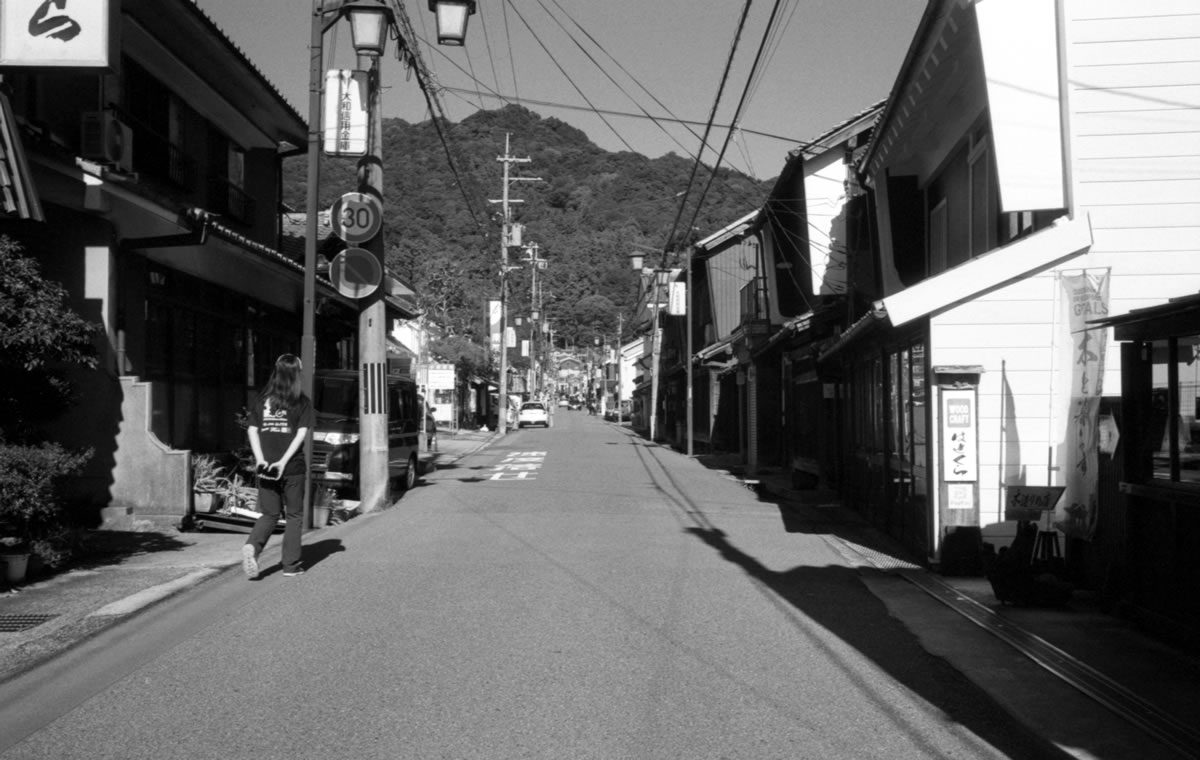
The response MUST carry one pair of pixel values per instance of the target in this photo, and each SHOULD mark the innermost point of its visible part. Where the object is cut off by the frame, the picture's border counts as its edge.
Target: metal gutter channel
(1092, 683)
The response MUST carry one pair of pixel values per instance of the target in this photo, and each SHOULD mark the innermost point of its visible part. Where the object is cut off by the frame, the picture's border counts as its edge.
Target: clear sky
(826, 61)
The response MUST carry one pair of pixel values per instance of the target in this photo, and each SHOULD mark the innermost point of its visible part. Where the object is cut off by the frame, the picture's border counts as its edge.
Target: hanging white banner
(1085, 296)
(677, 299)
(344, 127)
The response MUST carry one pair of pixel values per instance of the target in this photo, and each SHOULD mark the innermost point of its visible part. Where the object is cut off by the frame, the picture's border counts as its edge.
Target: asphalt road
(570, 592)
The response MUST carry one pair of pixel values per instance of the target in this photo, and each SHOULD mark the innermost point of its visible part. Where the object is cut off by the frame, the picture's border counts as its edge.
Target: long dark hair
(283, 390)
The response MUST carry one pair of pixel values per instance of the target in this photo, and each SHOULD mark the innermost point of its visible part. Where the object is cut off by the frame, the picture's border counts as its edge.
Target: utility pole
(535, 263)
(505, 242)
(373, 471)
(619, 356)
(655, 352)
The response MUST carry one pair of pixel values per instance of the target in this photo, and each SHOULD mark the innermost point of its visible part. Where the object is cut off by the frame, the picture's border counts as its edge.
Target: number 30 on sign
(356, 217)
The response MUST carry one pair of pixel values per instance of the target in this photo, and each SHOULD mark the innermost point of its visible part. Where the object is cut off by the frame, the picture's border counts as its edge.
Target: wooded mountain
(589, 210)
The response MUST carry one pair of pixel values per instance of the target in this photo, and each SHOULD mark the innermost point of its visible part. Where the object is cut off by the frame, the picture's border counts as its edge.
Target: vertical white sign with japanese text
(960, 455)
(55, 33)
(344, 126)
(1085, 297)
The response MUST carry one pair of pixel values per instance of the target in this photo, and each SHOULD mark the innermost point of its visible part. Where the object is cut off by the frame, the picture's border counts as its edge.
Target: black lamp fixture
(452, 16)
(369, 24)
(636, 260)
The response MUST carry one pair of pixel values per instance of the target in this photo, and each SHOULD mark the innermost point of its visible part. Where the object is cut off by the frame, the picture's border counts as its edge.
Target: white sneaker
(249, 561)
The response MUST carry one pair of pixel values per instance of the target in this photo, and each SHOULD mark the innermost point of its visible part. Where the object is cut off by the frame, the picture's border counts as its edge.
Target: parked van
(335, 438)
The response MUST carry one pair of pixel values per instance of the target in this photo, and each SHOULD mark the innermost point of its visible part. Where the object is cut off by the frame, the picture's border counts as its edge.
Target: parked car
(533, 413)
(336, 435)
(612, 414)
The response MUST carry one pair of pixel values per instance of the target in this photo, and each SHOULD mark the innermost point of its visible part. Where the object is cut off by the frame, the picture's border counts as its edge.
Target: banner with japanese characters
(1085, 297)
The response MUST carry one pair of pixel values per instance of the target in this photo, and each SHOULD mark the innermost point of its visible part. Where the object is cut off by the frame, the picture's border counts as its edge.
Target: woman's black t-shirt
(277, 429)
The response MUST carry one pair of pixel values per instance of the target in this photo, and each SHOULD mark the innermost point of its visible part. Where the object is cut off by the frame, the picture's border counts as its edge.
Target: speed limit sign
(356, 217)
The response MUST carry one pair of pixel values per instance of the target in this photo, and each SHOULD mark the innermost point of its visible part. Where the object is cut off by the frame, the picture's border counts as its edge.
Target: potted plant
(30, 502)
(208, 482)
(14, 553)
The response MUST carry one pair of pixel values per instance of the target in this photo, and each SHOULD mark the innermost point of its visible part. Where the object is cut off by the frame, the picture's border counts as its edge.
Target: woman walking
(279, 425)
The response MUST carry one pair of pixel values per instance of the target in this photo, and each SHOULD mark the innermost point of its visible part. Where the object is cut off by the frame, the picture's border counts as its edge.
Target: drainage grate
(14, 623)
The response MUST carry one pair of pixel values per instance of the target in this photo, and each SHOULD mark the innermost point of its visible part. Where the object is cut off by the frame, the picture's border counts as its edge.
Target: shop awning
(1178, 316)
(861, 327)
(994, 269)
(792, 327)
(715, 350)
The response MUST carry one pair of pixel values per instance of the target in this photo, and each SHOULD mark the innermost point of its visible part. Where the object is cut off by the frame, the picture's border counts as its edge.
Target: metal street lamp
(369, 24)
(452, 16)
(370, 21)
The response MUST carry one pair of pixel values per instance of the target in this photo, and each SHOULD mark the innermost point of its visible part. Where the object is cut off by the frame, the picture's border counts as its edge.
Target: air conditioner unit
(107, 140)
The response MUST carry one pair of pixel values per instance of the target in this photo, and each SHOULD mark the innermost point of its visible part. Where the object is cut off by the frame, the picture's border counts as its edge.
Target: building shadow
(835, 598)
(113, 547)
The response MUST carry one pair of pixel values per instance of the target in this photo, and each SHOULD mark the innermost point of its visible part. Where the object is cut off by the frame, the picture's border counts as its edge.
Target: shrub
(31, 505)
(39, 336)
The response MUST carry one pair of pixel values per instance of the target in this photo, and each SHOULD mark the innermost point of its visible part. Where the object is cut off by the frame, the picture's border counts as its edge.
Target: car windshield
(337, 396)
(533, 405)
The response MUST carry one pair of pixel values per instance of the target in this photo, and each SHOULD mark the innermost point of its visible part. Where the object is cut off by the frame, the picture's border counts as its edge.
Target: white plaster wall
(1133, 107)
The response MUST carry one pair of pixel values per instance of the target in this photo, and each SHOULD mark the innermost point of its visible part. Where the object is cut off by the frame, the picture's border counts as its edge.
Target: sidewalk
(1063, 672)
(126, 571)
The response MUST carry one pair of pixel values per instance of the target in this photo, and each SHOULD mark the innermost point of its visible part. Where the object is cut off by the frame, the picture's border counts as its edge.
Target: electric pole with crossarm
(506, 241)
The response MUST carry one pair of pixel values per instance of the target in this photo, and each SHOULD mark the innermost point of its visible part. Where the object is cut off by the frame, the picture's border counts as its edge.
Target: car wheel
(410, 475)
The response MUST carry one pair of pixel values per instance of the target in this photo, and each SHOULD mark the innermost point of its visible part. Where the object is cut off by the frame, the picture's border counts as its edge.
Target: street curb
(146, 597)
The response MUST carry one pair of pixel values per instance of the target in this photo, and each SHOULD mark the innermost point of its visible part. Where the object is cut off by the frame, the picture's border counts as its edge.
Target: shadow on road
(835, 598)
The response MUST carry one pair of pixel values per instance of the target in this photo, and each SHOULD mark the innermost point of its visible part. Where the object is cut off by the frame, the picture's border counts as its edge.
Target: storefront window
(917, 418)
(1176, 405)
(897, 366)
(907, 420)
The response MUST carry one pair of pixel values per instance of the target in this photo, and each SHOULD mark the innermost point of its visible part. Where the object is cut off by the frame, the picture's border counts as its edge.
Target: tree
(40, 338)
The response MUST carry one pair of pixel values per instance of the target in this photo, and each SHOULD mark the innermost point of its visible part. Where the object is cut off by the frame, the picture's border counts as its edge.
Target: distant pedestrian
(430, 429)
(279, 423)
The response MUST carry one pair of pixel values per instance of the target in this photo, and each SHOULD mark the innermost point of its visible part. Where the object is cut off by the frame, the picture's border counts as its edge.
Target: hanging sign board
(356, 217)
(1030, 502)
(355, 272)
(46, 33)
(344, 124)
(677, 299)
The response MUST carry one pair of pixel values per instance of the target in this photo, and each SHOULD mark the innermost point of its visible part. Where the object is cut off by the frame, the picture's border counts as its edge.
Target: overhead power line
(712, 116)
(563, 71)
(411, 53)
(611, 112)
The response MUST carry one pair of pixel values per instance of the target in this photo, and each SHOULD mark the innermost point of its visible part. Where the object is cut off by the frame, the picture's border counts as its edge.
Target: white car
(533, 413)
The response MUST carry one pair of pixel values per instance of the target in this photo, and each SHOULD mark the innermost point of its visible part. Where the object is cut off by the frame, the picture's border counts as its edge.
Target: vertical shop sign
(960, 456)
(345, 124)
(1085, 297)
(493, 322)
